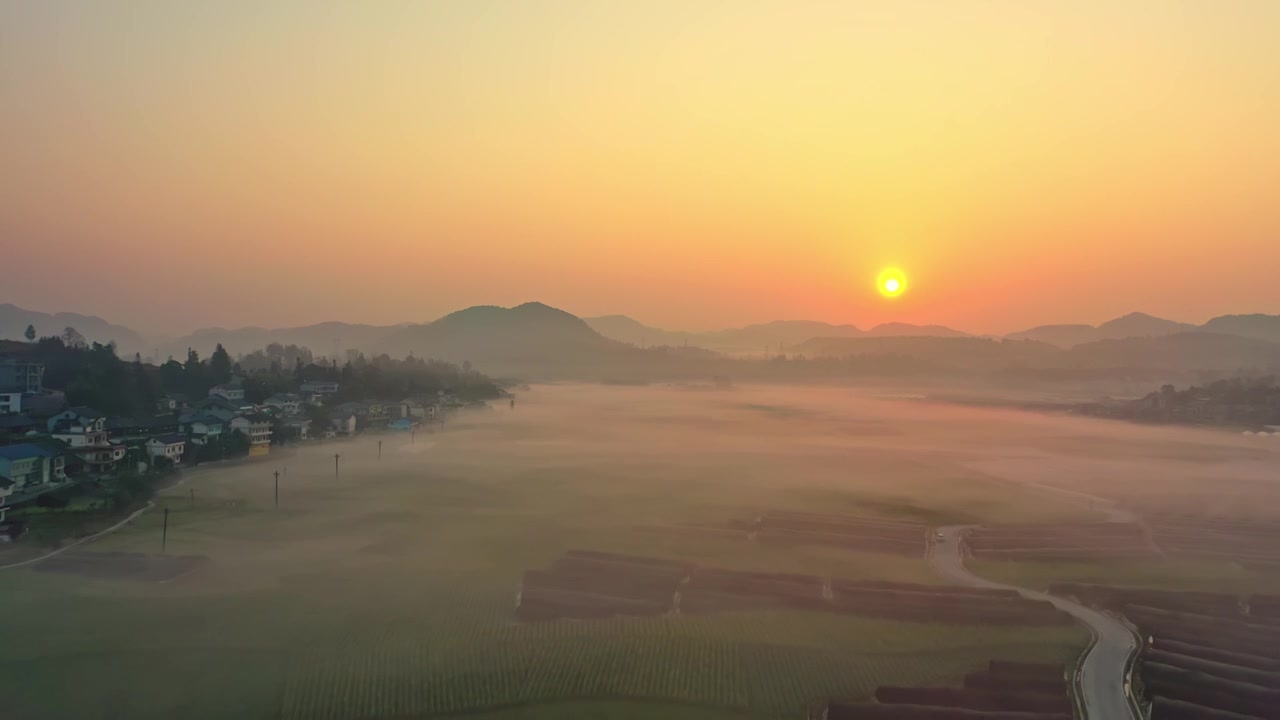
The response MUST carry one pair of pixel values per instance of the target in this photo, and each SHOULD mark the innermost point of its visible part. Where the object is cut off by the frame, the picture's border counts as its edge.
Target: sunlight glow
(891, 282)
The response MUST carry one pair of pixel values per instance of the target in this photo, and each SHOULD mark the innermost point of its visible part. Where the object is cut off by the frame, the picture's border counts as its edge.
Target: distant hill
(1140, 325)
(14, 321)
(634, 332)
(1131, 325)
(770, 336)
(1257, 325)
(1064, 336)
(897, 329)
(532, 337)
(1180, 352)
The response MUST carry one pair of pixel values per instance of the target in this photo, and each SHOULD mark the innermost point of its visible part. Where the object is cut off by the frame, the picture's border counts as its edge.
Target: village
(51, 451)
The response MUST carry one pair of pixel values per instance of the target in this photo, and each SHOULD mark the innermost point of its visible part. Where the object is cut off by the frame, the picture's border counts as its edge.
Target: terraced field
(391, 591)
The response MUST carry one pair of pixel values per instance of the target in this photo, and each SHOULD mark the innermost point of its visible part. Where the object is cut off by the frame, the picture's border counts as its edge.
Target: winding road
(1103, 676)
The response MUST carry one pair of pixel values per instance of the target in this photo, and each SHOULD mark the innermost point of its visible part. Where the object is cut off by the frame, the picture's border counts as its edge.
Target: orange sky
(691, 164)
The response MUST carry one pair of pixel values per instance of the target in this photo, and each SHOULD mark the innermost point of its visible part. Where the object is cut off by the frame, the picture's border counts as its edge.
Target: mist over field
(390, 588)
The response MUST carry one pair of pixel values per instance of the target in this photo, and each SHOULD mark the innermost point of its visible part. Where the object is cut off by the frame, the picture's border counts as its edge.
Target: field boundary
(151, 503)
(1134, 704)
(1077, 675)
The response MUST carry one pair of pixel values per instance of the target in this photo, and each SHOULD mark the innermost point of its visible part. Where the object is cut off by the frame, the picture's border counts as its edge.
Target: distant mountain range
(1131, 325)
(774, 337)
(14, 321)
(535, 340)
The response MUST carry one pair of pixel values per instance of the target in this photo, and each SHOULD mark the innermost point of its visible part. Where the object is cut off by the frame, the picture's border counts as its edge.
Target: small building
(10, 401)
(221, 407)
(257, 427)
(319, 387)
(30, 469)
(122, 428)
(22, 377)
(17, 424)
(169, 445)
(203, 428)
(298, 427)
(173, 402)
(343, 423)
(78, 419)
(288, 403)
(232, 392)
(417, 409)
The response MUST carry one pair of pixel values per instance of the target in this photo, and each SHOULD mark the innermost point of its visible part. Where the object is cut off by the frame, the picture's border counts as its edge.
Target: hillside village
(53, 447)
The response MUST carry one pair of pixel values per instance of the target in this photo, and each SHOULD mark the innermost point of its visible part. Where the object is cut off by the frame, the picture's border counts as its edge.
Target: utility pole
(379, 449)
(164, 533)
(277, 473)
(413, 435)
(193, 498)
(335, 464)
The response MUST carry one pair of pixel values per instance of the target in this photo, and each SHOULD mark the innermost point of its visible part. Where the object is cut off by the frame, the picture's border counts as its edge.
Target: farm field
(1166, 573)
(389, 590)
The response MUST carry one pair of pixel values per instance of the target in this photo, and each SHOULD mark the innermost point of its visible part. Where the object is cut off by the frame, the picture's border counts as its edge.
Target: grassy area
(388, 591)
(1171, 574)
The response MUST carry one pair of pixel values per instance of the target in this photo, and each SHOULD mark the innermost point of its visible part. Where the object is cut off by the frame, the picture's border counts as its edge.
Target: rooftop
(171, 438)
(13, 421)
(22, 451)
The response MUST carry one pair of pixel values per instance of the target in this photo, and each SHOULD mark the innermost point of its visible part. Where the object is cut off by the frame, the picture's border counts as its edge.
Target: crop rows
(587, 585)
(1008, 690)
(1209, 655)
(855, 533)
(1251, 542)
(1060, 542)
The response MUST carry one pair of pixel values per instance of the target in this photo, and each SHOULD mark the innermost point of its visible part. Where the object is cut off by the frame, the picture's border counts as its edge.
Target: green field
(388, 591)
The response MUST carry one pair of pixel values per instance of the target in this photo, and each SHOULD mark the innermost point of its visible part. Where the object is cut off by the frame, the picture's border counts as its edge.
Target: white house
(29, 468)
(78, 419)
(320, 387)
(169, 445)
(84, 429)
(343, 422)
(257, 427)
(10, 402)
(416, 409)
(235, 393)
(289, 403)
(203, 428)
(299, 426)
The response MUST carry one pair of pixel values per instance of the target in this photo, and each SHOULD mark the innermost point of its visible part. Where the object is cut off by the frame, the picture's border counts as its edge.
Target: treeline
(93, 375)
(380, 377)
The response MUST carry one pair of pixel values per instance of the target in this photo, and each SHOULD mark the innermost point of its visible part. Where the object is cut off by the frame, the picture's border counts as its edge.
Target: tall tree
(72, 338)
(220, 365)
(30, 334)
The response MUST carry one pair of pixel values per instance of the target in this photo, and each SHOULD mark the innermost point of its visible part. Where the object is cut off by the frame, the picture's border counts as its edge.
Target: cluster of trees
(195, 376)
(93, 375)
(361, 378)
(1233, 401)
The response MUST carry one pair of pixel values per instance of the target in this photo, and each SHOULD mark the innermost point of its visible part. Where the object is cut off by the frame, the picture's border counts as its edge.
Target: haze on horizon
(692, 165)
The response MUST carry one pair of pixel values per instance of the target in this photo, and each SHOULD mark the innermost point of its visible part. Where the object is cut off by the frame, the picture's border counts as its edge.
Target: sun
(891, 282)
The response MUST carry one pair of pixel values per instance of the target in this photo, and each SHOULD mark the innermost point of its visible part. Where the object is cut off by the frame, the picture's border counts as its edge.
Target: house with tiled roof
(169, 446)
(28, 469)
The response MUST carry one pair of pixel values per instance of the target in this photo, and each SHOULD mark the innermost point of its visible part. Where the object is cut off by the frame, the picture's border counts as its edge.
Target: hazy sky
(690, 163)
